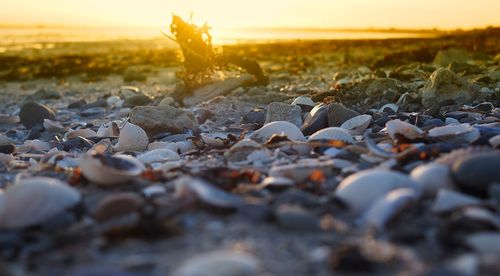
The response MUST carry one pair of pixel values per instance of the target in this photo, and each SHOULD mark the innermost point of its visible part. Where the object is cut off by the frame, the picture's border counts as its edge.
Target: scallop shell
(52, 125)
(405, 129)
(82, 132)
(132, 138)
(278, 128)
(357, 125)
(332, 133)
(360, 190)
(179, 147)
(158, 156)
(303, 169)
(389, 206)
(31, 201)
(455, 133)
(97, 168)
(432, 177)
(303, 100)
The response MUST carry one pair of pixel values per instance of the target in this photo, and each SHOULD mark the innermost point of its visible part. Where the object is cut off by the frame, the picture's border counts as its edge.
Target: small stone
(44, 94)
(167, 101)
(294, 217)
(475, 173)
(284, 112)
(137, 100)
(77, 104)
(446, 57)
(389, 88)
(33, 114)
(159, 119)
(338, 114)
(316, 120)
(117, 205)
(444, 85)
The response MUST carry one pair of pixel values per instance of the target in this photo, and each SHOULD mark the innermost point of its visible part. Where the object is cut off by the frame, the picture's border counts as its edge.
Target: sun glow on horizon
(442, 14)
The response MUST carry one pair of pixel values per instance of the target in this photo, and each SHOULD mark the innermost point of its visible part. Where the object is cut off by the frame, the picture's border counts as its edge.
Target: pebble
(160, 119)
(294, 217)
(338, 114)
(475, 173)
(444, 85)
(137, 100)
(33, 114)
(284, 112)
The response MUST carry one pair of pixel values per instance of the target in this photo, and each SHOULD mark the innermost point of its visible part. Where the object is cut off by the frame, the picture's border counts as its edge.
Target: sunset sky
(444, 14)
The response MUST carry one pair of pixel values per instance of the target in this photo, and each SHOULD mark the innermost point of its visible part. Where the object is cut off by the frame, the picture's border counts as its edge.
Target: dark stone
(255, 116)
(474, 174)
(33, 114)
(44, 94)
(98, 103)
(294, 217)
(137, 100)
(338, 114)
(350, 258)
(316, 120)
(117, 205)
(7, 148)
(77, 105)
(433, 123)
(382, 121)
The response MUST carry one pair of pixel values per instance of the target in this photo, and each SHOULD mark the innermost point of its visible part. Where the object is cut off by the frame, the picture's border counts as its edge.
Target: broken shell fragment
(132, 138)
(248, 150)
(407, 130)
(303, 100)
(303, 169)
(206, 193)
(105, 169)
(282, 128)
(357, 125)
(360, 190)
(455, 133)
(449, 201)
(158, 156)
(216, 140)
(332, 133)
(54, 126)
(83, 132)
(179, 147)
(31, 201)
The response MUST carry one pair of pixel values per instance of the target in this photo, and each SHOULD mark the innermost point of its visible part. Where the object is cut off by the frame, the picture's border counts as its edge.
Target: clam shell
(332, 133)
(302, 170)
(132, 138)
(432, 177)
(221, 263)
(405, 129)
(278, 128)
(455, 133)
(83, 132)
(357, 125)
(360, 190)
(52, 125)
(158, 156)
(96, 168)
(303, 100)
(389, 206)
(34, 200)
(205, 192)
(179, 147)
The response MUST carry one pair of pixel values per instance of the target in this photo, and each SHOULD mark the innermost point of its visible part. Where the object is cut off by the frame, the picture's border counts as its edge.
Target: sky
(443, 14)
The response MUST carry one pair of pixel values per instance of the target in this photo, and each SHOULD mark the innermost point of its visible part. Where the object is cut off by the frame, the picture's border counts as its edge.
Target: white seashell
(169, 165)
(31, 201)
(158, 156)
(154, 190)
(220, 263)
(360, 190)
(131, 138)
(82, 132)
(495, 141)
(393, 107)
(303, 169)
(277, 182)
(432, 177)
(398, 127)
(455, 133)
(487, 243)
(449, 201)
(332, 133)
(389, 206)
(52, 125)
(179, 147)
(357, 125)
(216, 140)
(109, 170)
(108, 130)
(248, 150)
(303, 100)
(205, 192)
(278, 128)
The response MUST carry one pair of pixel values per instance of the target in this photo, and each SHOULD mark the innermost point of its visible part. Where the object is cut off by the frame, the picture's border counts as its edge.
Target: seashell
(317, 119)
(216, 140)
(303, 100)
(114, 101)
(292, 147)
(360, 190)
(291, 131)
(455, 133)
(495, 141)
(481, 216)
(393, 107)
(179, 147)
(109, 170)
(357, 125)
(205, 193)
(34, 145)
(389, 206)
(332, 133)
(432, 177)
(221, 263)
(154, 190)
(487, 243)
(449, 201)
(302, 169)
(158, 156)
(82, 132)
(248, 150)
(398, 127)
(131, 138)
(108, 130)
(277, 182)
(32, 201)
(54, 126)
(6, 157)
